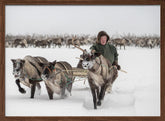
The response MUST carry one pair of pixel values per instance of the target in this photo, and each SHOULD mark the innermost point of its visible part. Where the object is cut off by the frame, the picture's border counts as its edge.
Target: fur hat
(100, 34)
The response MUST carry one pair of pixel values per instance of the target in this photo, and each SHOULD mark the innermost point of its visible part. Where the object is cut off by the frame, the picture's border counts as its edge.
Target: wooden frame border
(78, 2)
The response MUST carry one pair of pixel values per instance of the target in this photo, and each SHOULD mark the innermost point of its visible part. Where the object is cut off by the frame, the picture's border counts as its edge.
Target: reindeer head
(17, 67)
(48, 69)
(88, 59)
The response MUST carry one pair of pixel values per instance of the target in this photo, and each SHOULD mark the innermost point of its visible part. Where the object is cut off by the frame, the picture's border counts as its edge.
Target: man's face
(103, 40)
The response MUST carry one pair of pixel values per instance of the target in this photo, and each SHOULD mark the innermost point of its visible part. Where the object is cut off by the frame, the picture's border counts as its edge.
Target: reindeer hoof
(50, 98)
(22, 90)
(99, 103)
(32, 97)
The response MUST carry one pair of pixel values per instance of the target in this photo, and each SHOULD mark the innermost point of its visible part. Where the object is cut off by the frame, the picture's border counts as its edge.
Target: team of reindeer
(58, 76)
(59, 41)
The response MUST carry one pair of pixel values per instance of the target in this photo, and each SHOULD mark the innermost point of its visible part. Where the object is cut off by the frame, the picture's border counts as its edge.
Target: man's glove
(116, 64)
(118, 67)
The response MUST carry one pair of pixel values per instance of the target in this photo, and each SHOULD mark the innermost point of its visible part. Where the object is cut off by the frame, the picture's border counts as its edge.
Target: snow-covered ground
(136, 93)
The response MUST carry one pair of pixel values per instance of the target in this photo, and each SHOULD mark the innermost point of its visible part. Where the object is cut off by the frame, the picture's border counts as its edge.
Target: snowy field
(136, 93)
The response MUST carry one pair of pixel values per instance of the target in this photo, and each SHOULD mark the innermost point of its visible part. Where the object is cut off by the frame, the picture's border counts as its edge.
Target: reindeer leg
(97, 91)
(102, 94)
(63, 93)
(50, 92)
(39, 87)
(104, 90)
(99, 98)
(93, 93)
(63, 86)
(94, 98)
(22, 90)
(33, 88)
(69, 87)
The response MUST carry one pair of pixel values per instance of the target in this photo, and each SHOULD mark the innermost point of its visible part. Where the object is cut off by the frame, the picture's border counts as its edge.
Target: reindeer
(68, 42)
(140, 42)
(151, 43)
(77, 42)
(83, 41)
(8, 44)
(57, 42)
(28, 72)
(120, 42)
(57, 76)
(21, 42)
(101, 74)
(157, 42)
(41, 43)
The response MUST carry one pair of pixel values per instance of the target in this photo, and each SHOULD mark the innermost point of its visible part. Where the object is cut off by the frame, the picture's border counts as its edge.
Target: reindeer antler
(73, 38)
(79, 58)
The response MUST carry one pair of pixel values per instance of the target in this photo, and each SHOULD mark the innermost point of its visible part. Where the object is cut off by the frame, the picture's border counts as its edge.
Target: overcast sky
(139, 20)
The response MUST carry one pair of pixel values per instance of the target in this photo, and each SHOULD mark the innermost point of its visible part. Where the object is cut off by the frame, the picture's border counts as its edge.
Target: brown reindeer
(20, 42)
(68, 42)
(41, 43)
(77, 41)
(151, 43)
(57, 42)
(101, 74)
(120, 42)
(28, 72)
(57, 77)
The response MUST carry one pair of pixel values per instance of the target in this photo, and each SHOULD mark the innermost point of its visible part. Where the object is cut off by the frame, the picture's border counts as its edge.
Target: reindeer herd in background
(48, 41)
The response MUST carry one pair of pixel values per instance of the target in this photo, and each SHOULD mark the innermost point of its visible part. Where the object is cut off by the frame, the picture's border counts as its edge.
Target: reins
(68, 80)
